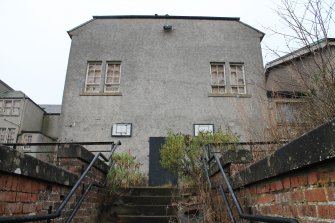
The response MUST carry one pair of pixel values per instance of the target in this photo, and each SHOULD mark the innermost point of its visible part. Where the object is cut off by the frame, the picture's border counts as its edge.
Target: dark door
(158, 176)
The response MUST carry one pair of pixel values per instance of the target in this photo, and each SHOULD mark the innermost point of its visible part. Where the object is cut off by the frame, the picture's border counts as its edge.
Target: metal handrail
(57, 213)
(261, 218)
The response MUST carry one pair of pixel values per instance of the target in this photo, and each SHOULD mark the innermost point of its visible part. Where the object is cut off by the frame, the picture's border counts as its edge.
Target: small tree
(309, 24)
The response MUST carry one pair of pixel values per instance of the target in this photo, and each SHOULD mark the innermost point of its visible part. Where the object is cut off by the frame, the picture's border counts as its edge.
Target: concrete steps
(142, 205)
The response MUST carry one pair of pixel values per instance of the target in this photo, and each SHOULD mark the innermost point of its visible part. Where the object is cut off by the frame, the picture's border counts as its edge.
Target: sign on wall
(122, 129)
(205, 128)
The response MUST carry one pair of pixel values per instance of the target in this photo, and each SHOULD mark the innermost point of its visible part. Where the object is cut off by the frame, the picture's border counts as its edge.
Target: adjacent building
(23, 121)
(308, 70)
(135, 78)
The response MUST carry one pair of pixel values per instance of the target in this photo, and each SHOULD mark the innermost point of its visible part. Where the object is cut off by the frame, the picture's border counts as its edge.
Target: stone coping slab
(15, 162)
(314, 147)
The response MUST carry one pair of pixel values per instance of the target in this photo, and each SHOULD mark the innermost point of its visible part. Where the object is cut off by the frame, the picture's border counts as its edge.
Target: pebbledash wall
(298, 180)
(165, 79)
(31, 186)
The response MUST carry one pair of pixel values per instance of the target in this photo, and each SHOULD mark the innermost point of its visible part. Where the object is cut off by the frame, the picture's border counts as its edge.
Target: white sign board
(205, 128)
(121, 129)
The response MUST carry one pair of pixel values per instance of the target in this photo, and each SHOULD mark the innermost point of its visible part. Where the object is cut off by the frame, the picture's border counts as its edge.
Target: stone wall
(30, 186)
(297, 181)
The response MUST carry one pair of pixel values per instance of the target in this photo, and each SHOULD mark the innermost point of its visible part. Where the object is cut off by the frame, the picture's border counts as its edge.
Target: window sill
(10, 115)
(229, 95)
(101, 94)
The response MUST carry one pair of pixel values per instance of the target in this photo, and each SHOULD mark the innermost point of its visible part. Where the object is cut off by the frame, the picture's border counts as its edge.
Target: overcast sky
(35, 45)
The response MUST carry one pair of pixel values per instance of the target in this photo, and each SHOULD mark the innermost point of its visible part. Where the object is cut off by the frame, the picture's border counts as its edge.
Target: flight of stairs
(142, 205)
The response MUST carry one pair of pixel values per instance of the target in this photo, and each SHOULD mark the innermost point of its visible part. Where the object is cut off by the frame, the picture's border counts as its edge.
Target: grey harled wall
(165, 80)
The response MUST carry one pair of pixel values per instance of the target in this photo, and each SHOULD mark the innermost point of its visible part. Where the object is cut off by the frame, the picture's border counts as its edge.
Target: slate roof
(51, 109)
(13, 94)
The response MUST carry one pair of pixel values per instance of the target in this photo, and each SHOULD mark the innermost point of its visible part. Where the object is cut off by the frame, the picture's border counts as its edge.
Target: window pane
(234, 90)
(116, 80)
(112, 88)
(27, 139)
(8, 107)
(10, 135)
(91, 88)
(237, 80)
(233, 78)
(112, 79)
(2, 135)
(109, 80)
(214, 68)
(241, 90)
(215, 89)
(96, 80)
(93, 77)
(222, 90)
(217, 75)
(214, 78)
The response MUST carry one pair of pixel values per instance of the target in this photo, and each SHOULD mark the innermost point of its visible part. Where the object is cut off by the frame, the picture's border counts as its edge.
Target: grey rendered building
(133, 78)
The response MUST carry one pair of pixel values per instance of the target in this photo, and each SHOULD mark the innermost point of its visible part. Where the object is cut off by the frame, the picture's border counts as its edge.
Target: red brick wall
(21, 195)
(307, 195)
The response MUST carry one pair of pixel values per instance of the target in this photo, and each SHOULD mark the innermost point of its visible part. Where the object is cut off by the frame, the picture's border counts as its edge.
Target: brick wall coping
(240, 156)
(15, 162)
(314, 147)
(78, 151)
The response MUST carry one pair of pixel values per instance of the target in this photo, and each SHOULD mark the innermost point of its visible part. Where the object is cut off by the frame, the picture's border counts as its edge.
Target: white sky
(34, 44)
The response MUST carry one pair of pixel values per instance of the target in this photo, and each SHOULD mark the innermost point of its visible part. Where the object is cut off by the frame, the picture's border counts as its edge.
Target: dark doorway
(158, 176)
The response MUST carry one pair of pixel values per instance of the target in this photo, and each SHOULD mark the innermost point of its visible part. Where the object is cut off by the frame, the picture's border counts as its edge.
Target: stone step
(147, 200)
(149, 191)
(148, 210)
(146, 219)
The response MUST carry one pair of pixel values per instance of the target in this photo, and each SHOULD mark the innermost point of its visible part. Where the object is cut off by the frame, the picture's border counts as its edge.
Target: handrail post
(49, 212)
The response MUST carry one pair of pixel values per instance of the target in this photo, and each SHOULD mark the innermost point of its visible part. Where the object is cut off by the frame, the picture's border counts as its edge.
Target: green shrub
(181, 154)
(124, 172)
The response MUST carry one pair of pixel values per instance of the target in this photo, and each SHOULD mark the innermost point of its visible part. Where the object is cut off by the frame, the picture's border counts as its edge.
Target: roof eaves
(77, 27)
(6, 85)
(166, 17)
(298, 53)
(257, 30)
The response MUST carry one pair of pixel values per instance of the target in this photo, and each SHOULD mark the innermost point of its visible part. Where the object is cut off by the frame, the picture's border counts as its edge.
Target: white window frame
(112, 83)
(7, 135)
(12, 109)
(16, 108)
(3, 135)
(216, 84)
(27, 139)
(96, 86)
(7, 108)
(237, 85)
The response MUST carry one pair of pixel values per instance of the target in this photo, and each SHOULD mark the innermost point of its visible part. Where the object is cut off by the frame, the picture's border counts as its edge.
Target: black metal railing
(210, 158)
(85, 191)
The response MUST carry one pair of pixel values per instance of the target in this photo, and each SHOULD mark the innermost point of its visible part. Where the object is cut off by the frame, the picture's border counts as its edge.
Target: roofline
(6, 85)
(298, 53)
(166, 17)
(237, 19)
(153, 17)
(77, 27)
(257, 30)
